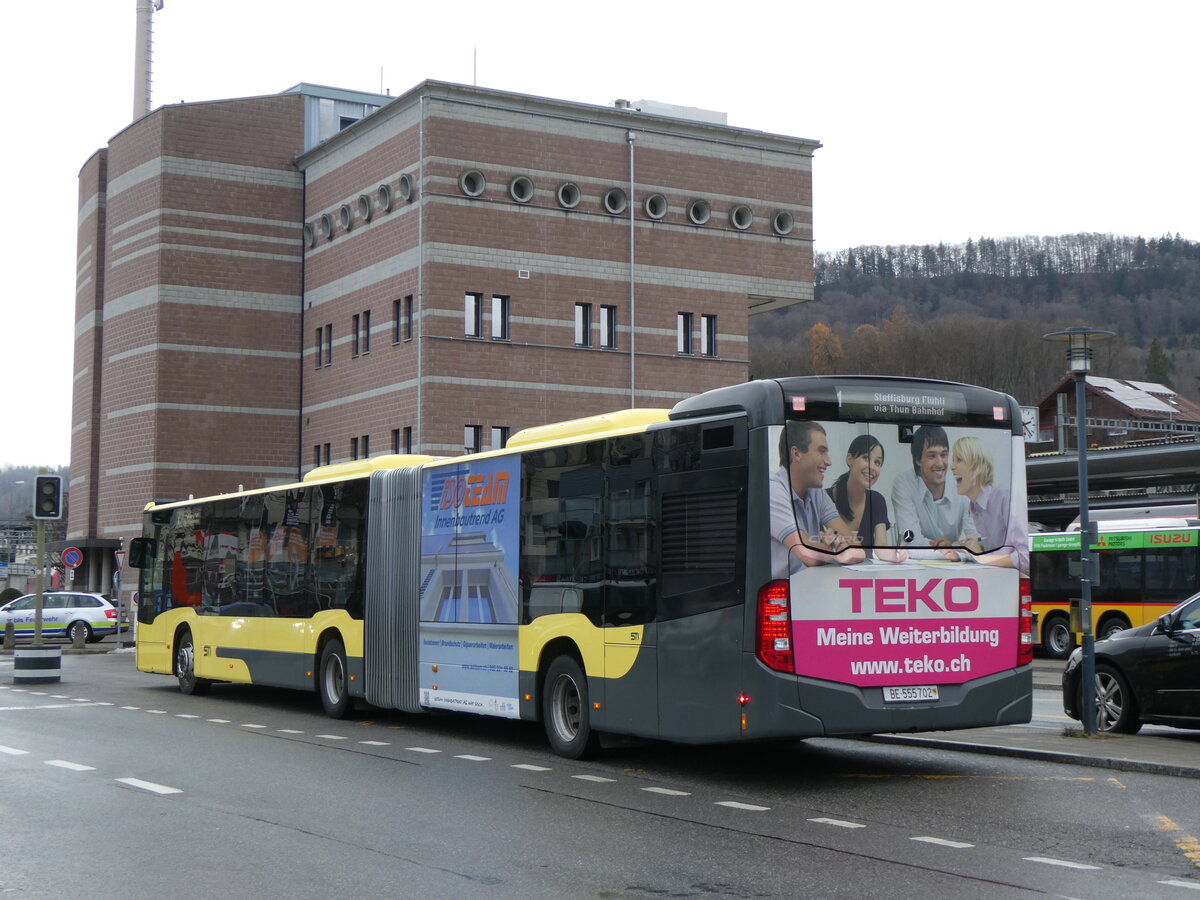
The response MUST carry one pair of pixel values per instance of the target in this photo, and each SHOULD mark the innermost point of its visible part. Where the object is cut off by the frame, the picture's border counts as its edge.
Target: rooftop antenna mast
(142, 49)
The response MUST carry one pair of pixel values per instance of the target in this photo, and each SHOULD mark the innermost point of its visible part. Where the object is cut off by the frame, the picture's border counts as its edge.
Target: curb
(1095, 762)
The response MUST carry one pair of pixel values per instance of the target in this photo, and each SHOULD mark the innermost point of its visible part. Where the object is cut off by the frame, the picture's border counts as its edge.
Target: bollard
(37, 665)
(10, 636)
(78, 638)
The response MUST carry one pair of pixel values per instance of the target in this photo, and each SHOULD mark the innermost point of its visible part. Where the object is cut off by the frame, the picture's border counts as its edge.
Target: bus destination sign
(900, 404)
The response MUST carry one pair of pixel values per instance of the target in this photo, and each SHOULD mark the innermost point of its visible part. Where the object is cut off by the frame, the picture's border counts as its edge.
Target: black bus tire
(566, 710)
(1057, 638)
(1110, 626)
(185, 667)
(332, 682)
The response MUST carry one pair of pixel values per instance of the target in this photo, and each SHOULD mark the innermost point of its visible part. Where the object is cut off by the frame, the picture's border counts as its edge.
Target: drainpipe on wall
(629, 136)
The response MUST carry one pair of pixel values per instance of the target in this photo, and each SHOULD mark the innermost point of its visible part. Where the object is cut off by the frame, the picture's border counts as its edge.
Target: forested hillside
(976, 312)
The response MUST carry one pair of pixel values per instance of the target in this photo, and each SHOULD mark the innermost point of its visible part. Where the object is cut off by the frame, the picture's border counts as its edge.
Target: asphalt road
(112, 784)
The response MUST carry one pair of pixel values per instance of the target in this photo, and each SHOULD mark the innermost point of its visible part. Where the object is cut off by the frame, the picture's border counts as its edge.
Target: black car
(1149, 674)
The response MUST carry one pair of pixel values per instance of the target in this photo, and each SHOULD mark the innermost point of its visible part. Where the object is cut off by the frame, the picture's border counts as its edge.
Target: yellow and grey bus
(649, 572)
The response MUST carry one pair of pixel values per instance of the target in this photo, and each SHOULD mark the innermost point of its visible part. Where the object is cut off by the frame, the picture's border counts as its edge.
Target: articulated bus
(648, 573)
(1146, 566)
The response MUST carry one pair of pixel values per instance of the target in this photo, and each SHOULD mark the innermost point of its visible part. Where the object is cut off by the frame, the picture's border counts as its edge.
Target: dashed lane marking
(471, 758)
(942, 842)
(838, 823)
(149, 786)
(666, 792)
(13, 751)
(72, 766)
(598, 779)
(422, 750)
(1062, 863)
(748, 807)
(529, 767)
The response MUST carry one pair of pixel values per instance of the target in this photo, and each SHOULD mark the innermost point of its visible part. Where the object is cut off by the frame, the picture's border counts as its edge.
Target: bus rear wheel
(185, 668)
(332, 683)
(1057, 637)
(1111, 626)
(565, 710)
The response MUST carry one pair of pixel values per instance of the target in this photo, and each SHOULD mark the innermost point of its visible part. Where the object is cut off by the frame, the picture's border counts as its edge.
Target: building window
(708, 335)
(316, 455)
(320, 346)
(407, 440)
(327, 457)
(608, 326)
(583, 324)
(402, 320)
(472, 438)
(364, 444)
(499, 437)
(329, 344)
(366, 331)
(499, 317)
(395, 440)
(354, 448)
(473, 315)
(683, 332)
(354, 335)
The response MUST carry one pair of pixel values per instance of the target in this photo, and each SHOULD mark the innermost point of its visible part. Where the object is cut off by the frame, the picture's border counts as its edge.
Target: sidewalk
(1175, 752)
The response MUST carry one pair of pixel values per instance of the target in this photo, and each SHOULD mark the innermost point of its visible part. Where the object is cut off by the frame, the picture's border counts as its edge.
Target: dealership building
(272, 283)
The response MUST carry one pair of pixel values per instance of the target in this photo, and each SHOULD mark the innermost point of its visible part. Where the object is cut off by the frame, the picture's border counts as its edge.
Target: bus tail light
(1025, 628)
(775, 627)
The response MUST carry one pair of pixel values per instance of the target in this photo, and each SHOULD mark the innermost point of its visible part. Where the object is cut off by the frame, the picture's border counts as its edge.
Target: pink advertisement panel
(904, 625)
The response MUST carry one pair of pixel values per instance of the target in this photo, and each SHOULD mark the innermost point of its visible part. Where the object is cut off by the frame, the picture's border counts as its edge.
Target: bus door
(701, 491)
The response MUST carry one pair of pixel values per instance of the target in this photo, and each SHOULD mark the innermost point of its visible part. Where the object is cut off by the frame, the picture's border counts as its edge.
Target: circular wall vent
(472, 182)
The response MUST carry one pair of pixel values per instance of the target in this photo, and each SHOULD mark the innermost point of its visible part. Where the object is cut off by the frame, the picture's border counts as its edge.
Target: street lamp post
(1079, 363)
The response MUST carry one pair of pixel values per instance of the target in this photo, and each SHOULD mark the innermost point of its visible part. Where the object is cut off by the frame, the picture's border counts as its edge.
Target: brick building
(271, 283)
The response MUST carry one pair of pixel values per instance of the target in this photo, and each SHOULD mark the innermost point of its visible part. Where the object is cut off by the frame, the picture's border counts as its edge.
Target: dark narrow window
(583, 324)
(397, 321)
(472, 438)
(329, 344)
(683, 332)
(473, 315)
(327, 457)
(408, 317)
(365, 445)
(608, 327)
(316, 455)
(354, 323)
(395, 440)
(354, 448)
(499, 437)
(499, 317)
(366, 331)
(408, 447)
(708, 335)
(320, 348)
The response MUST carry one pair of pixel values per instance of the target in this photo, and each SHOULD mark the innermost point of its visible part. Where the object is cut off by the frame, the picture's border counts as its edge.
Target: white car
(64, 614)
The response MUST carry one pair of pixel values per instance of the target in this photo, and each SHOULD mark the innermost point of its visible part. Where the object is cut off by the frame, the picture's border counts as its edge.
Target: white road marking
(532, 768)
(252, 725)
(598, 779)
(1191, 885)
(331, 737)
(1058, 862)
(666, 792)
(157, 712)
(130, 707)
(81, 699)
(218, 721)
(74, 767)
(942, 842)
(185, 716)
(839, 823)
(376, 743)
(289, 731)
(13, 751)
(748, 807)
(149, 786)
(422, 750)
(468, 756)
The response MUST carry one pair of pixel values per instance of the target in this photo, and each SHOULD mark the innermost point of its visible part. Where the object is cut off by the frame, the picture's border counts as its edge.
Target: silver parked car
(64, 614)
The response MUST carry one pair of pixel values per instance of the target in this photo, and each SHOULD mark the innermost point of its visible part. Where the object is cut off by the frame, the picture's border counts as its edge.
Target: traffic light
(47, 497)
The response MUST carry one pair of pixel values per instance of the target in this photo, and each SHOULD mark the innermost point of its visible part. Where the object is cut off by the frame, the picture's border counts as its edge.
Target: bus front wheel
(331, 680)
(565, 710)
(1057, 637)
(185, 667)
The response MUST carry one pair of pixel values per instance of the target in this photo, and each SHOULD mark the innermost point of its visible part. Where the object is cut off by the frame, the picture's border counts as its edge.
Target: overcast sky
(939, 120)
